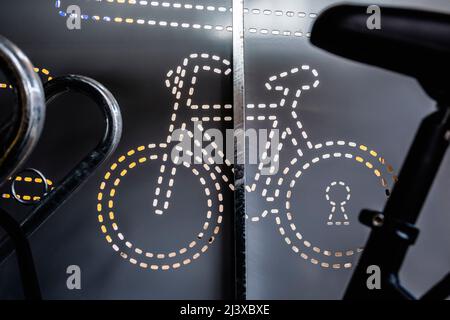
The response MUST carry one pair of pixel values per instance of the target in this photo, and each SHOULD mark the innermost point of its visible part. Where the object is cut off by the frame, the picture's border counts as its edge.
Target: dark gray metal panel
(133, 61)
(354, 116)
(351, 103)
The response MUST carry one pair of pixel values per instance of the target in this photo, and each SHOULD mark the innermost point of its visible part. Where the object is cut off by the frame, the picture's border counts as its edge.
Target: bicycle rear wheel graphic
(327, 190)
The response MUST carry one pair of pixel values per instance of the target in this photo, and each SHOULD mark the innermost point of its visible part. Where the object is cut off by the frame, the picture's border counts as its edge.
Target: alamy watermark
(73, 17)
(212, 147)
(374, 20)
(73, 281)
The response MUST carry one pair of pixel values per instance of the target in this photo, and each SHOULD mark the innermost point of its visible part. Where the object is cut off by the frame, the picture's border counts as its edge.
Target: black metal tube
(420, 168)
(387, 245)
(28, 275)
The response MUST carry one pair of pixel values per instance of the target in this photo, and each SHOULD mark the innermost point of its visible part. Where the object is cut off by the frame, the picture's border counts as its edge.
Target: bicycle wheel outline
(287, 216)
(108, 177)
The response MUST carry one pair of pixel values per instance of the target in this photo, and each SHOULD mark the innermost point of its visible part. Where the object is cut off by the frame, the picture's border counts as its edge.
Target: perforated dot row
(26, 197)
(211, 8)
(44, 72)
(182, 25)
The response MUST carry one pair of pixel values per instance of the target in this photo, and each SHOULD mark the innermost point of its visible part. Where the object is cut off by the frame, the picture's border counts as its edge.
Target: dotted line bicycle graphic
(276, 191)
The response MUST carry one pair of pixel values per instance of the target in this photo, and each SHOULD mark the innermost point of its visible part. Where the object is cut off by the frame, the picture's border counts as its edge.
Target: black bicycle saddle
(411, 42)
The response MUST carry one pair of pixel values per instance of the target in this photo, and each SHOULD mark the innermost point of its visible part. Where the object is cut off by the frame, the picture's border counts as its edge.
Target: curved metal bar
(83, 170)
(26, 129)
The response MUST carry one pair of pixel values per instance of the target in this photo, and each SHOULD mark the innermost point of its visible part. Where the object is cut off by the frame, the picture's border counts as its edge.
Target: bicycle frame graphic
(273, 186)
(182, 82)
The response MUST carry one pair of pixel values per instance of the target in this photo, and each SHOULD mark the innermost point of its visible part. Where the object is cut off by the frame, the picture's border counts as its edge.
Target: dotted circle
(107, 194)
(298, 236)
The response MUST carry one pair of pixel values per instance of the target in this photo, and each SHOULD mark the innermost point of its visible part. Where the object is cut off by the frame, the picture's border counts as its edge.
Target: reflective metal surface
(169, 229)
(29, 120)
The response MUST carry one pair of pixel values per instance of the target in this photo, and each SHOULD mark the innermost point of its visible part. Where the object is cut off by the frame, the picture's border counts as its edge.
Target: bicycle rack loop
(19, 136)
(84, 169)
(26, 129)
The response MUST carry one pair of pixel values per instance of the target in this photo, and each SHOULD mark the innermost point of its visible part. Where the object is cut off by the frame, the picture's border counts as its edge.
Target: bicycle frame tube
(394, 231)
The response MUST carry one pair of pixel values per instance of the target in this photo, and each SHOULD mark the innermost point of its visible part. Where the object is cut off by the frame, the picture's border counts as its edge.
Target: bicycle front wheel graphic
(327, 190)
(167, 241)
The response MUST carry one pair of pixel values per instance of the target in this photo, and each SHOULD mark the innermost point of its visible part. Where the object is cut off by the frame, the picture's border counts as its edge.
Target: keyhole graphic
(334, 218)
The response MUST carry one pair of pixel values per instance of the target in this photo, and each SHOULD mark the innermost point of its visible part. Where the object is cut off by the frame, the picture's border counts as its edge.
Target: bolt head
(378, 220)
